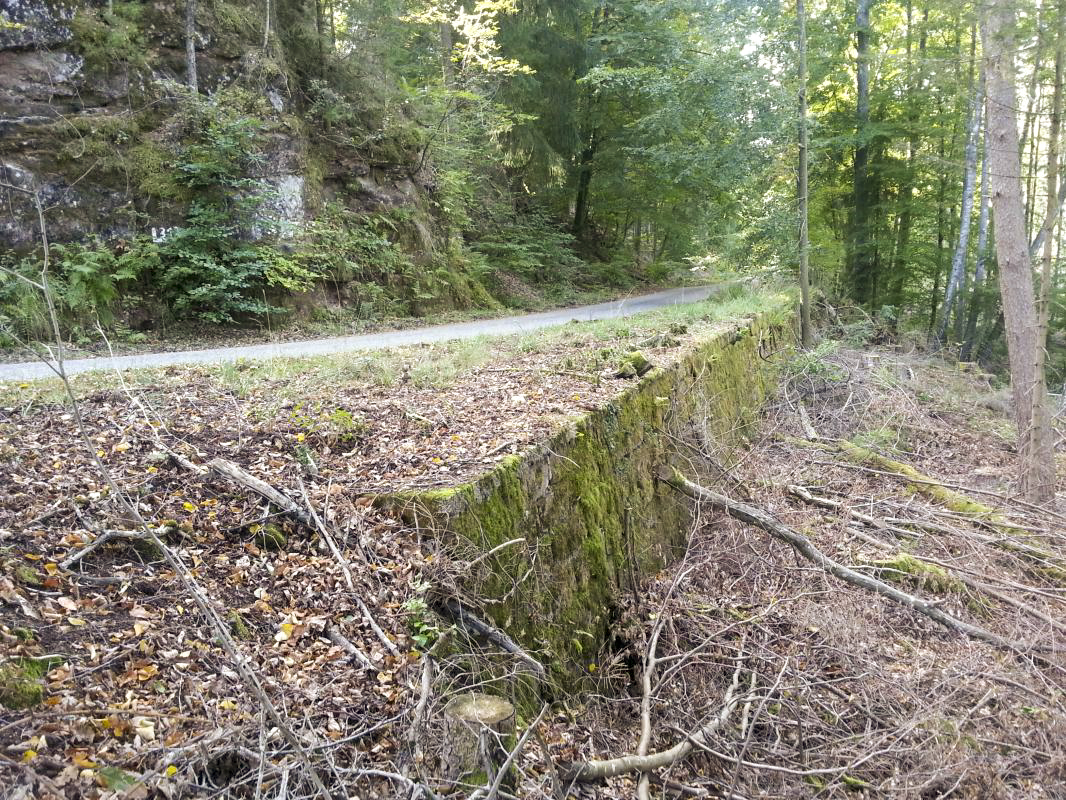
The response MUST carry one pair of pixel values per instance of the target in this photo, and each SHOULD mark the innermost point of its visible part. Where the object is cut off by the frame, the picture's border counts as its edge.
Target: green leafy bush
(531, 246)
(87, 283)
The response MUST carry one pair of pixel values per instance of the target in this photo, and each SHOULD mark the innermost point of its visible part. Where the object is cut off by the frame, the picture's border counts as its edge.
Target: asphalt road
(373, 341)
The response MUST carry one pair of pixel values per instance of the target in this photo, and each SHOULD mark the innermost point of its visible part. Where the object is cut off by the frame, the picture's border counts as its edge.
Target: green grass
(434, 365)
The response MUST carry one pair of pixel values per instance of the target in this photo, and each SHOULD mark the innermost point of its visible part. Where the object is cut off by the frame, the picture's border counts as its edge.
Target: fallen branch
(344, 644)
(1041, 557)
(969, 581)
(836, 505)
(802, 545)
(228, 469)
(472, 623)
(585, 771)
(111, 535)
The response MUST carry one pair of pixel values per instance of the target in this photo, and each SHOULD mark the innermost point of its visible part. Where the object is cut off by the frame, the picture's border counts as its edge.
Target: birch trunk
(958, 261)
(982, 261)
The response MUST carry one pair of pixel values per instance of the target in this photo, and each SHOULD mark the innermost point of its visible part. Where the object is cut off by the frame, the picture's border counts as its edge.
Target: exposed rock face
(89, 132)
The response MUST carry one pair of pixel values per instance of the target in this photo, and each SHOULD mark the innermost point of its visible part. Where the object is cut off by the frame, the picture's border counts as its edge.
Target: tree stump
(478, 729)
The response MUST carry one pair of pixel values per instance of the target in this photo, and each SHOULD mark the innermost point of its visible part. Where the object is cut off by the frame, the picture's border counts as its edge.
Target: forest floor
(134, 683)
(840, 691)
(848, 693)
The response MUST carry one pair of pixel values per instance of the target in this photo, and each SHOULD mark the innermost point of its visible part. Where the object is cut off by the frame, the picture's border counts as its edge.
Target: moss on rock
(634, 365)
(20, 682)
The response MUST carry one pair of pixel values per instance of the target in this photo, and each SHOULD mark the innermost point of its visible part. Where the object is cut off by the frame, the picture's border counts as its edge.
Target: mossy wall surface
(595, 520)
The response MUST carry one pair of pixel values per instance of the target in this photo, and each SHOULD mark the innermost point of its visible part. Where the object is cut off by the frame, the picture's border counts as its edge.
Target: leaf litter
(138, 699)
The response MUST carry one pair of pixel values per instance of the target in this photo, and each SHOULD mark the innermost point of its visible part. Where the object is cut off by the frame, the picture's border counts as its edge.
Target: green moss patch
(594, 518)
(906, 569)
(20, 682)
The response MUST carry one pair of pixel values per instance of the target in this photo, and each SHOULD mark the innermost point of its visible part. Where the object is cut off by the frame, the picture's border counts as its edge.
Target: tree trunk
(190, 45)
(958, 261)
(1036, 458)
(860, 266)
(901, 259)
(584, 182)
(266, 26)
(804, 278)
(475, 724)
(1043, 306)
(447, 46)
(982, 259)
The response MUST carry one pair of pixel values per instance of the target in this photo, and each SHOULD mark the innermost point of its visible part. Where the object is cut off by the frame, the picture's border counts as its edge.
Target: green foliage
(532, 247)
(210, 267)
(87, 282)
(420, 620)
(110, 37)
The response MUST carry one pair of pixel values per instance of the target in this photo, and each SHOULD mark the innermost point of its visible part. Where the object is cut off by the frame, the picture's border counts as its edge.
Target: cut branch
(469, 621)
(228, 469)
(586, 771)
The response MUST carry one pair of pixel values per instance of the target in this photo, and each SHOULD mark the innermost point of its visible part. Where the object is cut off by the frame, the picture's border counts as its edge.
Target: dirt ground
(834, 691)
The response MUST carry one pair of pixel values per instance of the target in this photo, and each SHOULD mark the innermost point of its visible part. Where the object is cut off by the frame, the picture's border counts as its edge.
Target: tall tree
(861, 264)
(1036, 457)
(190, 45)
(969, 179)
(801, 188)
(974, 305)
(1043, 309)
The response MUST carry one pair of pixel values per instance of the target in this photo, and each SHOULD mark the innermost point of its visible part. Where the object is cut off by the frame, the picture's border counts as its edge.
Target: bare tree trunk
(860, 263)
(447, 47)
(958, 261)
(901, 259)
(982, 260)
(266, 26)
(801, 189)
(190, 45)
(1036, 458)
(1043, 306)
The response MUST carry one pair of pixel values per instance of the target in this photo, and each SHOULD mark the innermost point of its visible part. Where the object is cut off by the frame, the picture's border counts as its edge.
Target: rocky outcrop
(87, 107)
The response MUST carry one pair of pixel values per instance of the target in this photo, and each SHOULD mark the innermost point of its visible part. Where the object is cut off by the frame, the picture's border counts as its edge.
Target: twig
(338, 639)
(385, 640)
(494, 550)
(110, 535)
(597, 770)
(501, 773)
(321, 527)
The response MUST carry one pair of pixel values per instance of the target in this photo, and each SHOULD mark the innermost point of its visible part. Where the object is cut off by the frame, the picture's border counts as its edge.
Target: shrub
(531, 246)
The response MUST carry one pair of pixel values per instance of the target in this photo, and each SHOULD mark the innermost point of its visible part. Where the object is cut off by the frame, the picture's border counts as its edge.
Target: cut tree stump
(478, 729)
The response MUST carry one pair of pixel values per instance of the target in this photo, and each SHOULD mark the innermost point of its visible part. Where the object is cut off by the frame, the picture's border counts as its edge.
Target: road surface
(372, 341)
